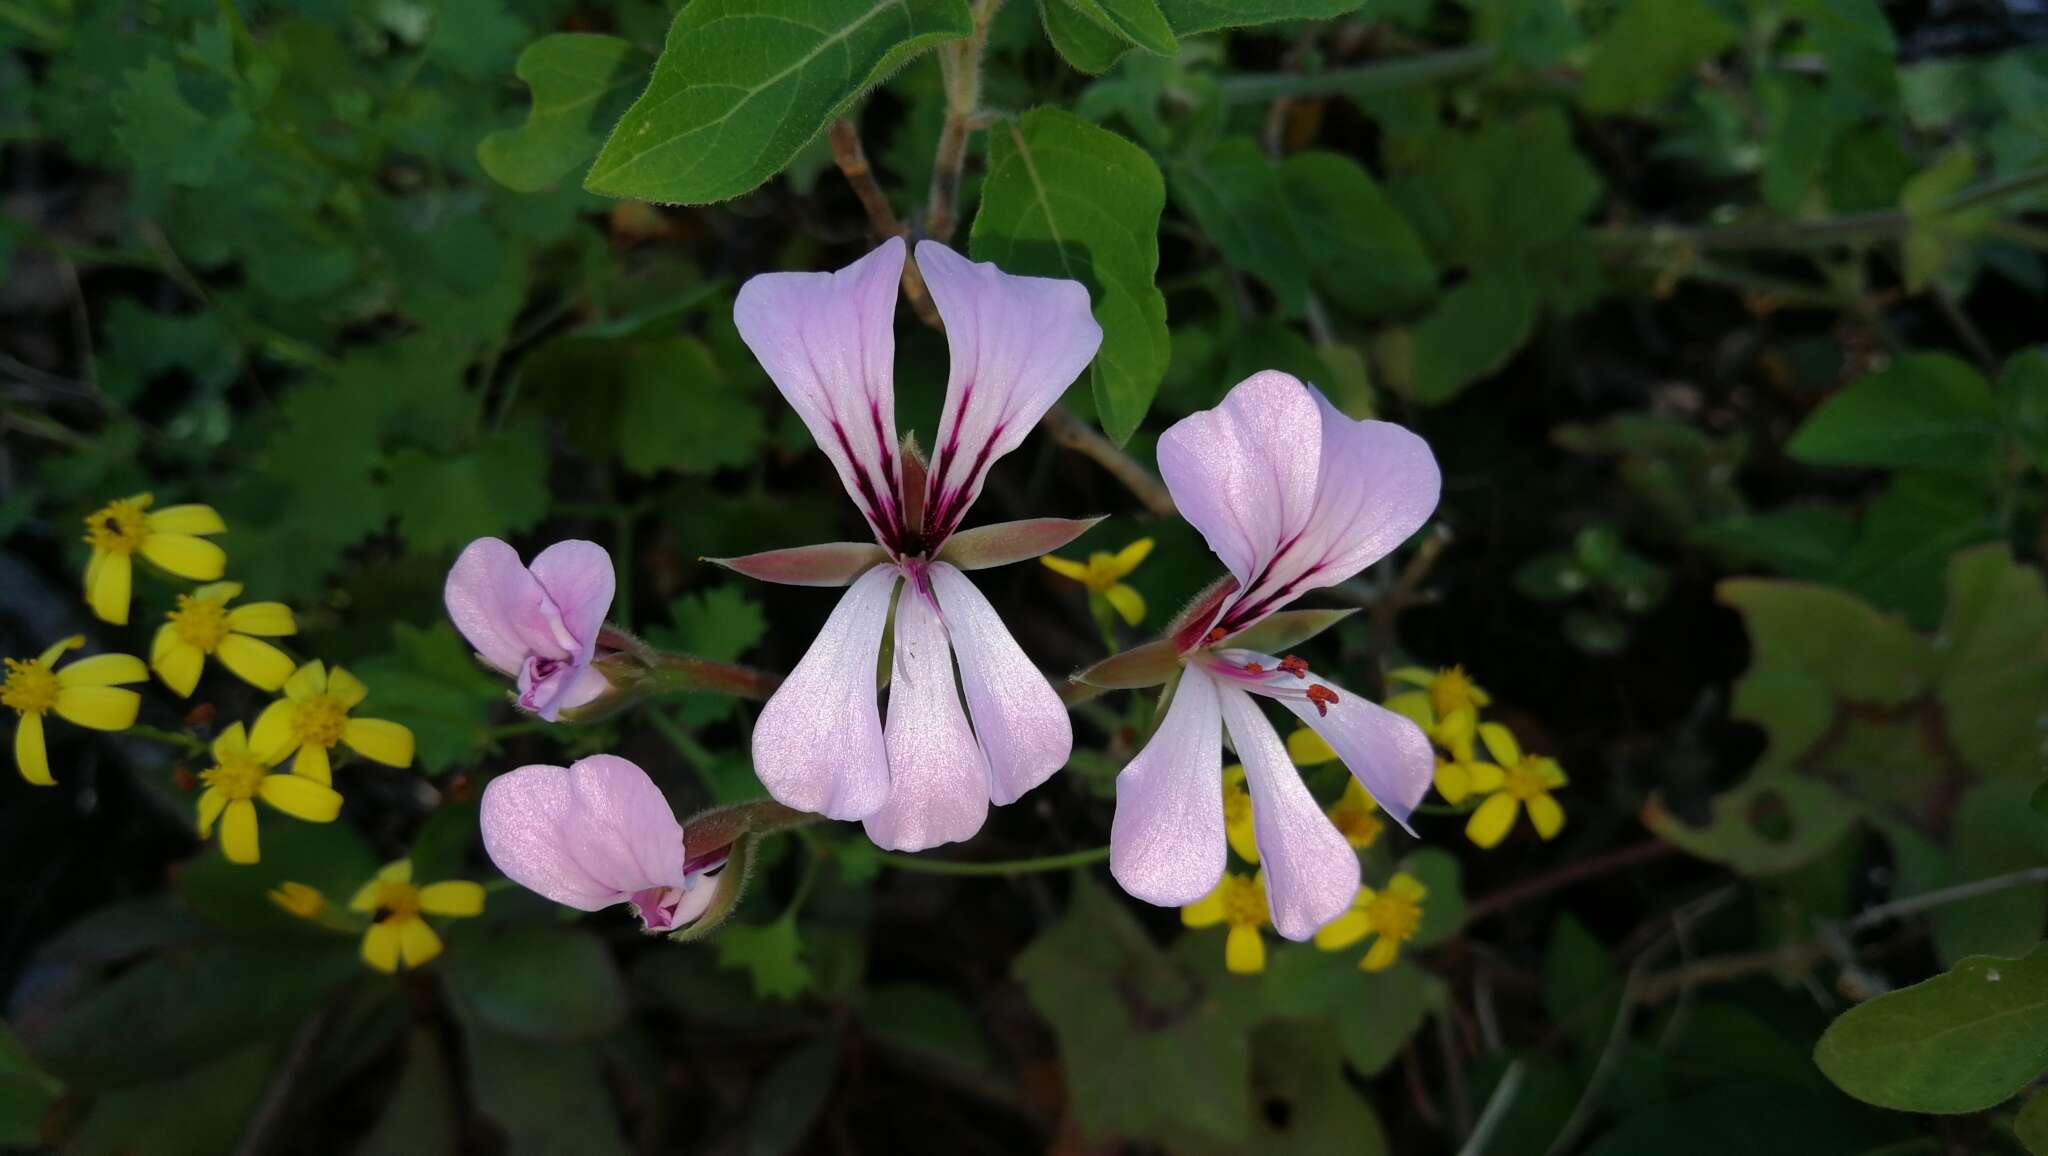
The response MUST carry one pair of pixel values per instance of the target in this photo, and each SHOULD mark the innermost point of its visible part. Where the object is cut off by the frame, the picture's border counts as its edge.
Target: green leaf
(1925, 409)
(431, 682)
(1137, 21)
(474, 38)
(1960, 1042)
(331, 858)
(1831, 637)
(542, 983)
(679, 411)
(1505, 192)
(1308, 1107)
(1994, 669)
(1443, 912)
(1773, 823)
(2023, 392)
(928, 1023)
(1649, 50)
(742, 85)
(142, 345)
(1756, 1119)
(202, 1109)
(2030, 1127)
(771, 952)
(790, 1096)
(1908, 535)
(1193, 17)
(1581, 990)
(1235, 197)
(1797, 541)
(445, 501)
(26, 1092)
(581, 84)
(1472, 333)
(1994, 832)
(1080, 41)
(420, 1116)
(168, 139)
(1365, 255)
(1064, 198)
(548, 1099)
(1387, 1009)
(720, 624)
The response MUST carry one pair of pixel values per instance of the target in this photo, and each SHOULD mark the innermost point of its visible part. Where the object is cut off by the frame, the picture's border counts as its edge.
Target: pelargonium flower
(1291, 495)
(539, 623)
(596, 833)
(925, 777)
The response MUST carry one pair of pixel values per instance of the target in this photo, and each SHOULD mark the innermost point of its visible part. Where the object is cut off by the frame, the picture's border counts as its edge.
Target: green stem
(190, 743)
(1362, 80)
(685, 672)
(803, 887)
(1001, 867)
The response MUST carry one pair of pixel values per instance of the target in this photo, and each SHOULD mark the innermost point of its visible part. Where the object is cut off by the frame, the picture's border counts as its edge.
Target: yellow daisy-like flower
(1446, 708)
(1390, 914)
(299, 899)
(1521, 780)
(1357, 816)
(1104, 574)
(171, 538)
(1237, 814)
(237, 779)
(87, 692)
(313, 716)
(203, 624)
(1239, 901)
(1458, 779)
(398, 931)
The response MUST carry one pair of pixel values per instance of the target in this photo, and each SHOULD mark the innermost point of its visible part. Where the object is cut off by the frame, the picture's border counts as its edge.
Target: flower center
(1521, 781)
(319, 720)
(1237, 803)
(30, 687)
(1357, 824)
(118, 527)
(1393, 916)
(199, 622)
(237, 775)
(1244, 901)
(396, 902)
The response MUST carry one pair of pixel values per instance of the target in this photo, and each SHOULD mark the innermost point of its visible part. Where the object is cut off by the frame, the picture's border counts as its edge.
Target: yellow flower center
(30, 687)
(1102, 573)
(1450, 690)
(1237, 803)
(1394, 916)
(1523, 780)
(199, 622)
(1244, 901)
(237, 775)
(1357, 823)
(118, 527)
(396, 903)
(318, 721)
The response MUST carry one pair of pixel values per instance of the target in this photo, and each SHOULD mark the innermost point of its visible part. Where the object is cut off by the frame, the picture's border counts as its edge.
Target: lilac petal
(825, 564)
(826, 340)
(1016, 343)
(1018, 717)
(1166, 842)
(1006, 542)
(1244, 473)
(1385, 751)
(585, 688)
(547, 687)
(938, 780)
(588, 835)
(577, 576)
(818, 743)
(1311, 871)
(497, 605)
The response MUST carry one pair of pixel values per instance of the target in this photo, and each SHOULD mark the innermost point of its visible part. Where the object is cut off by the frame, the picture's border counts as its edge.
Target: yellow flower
(313, 716)
(1391, 914)
(1237, 815)
(237, 779)
(398, 933)
(1104, 574)
(202, 625)
(1240, 902)
(170, 538)
(1446, 708)
(1355, 814)
(1457, 779)
(1521, 780)
(86, 692)
(1306, 748)
(299, 899)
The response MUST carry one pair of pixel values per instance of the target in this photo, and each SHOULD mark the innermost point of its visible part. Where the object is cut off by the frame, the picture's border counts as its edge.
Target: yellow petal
(365, 898)
(211, 804)
(49, 657)
(1413, 676)
(1343, 931)
(104, 670)
(1545, 813)
(221, 592)
(314, 764)
(417, 942)
(396, 871)
(1501, 742)
(185, 555)
(103, 708)
(378, 739)
(254, 661)
(1407, 887)
(1127, 559)
(238, 832)
(1307, 748)
(232, 741)
(306, 681)
(1413, 706)
(31, 757)
(1243, 838)
(1456, 729)
(1206, 911)
(1244, 953)
(186, 519)
(380, 946)
(1485, 777)
(269, 619)
(177, 661)
(1547, 772)
(300, 797)
(455, 897)
(1065, 568)
(1380, 956)
(271, 737)
(108, 582)
(1453, 782)
(347, 689)
(1489, 824)
(1130, 605)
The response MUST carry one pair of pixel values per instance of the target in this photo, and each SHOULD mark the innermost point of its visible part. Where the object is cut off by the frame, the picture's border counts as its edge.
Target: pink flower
(926, 777)
(538, 624)
(1291, 495)
(593, 834)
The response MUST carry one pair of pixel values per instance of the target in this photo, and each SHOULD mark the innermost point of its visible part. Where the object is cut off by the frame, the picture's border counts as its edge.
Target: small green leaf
(1235, 196)
(1064, 198)
(1649, 50)
(1994, 668)
(1192, 17)
(1994, 832)
(2030, 1127)
(541, 983)
(168, 139)
(720, 624)
(1365, 254)
(1138, 21)
(1925, 409)
(1080, 41)
(474, 38)
(1774, 822)
(1472, 333)
(1960, 1042)
(498, 488)
(1832, 637)
(742, 85)
(771, 952)
(581, 84)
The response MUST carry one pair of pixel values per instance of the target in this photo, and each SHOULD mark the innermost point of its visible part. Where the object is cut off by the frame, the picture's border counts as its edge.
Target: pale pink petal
(498, 606)
(938, 781)
(1017, 343)
(1166, 842)
(588, 835)
(827, 341)
(589, 682)
(1018, 717)
(818, 743)
(577, 576)
(547, 687)
(1244, 473)
(1311, 871)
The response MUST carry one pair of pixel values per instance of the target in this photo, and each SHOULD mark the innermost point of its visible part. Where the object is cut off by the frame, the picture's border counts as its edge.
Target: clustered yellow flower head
(173, 539)
(87, 693)
(1390, 915)
(1447, 708)
(239, 776)
(1104, 573)
(313, 716)
(1238, 902)
(398, 932)
(203, 624)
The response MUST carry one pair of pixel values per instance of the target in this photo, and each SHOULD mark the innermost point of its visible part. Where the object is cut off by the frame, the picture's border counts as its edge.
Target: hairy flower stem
(674, 672)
